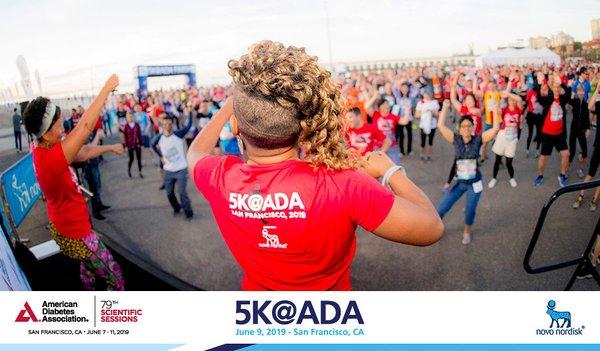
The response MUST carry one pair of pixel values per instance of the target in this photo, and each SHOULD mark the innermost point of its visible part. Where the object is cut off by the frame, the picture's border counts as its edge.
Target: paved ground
(141, 220)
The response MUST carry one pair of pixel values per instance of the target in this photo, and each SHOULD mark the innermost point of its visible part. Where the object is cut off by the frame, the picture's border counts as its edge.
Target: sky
(75, 45)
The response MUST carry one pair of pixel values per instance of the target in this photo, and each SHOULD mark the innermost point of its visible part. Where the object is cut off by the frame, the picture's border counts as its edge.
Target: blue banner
(21, 189)
(11, 275)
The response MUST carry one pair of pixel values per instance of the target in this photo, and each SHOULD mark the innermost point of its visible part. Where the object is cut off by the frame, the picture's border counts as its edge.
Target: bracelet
(385, 180)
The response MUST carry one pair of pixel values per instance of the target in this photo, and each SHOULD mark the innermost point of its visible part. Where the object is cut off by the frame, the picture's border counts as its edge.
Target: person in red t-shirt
(553, 130)
(70, 224)
(507, 138)
(363, 136)
(290, 222)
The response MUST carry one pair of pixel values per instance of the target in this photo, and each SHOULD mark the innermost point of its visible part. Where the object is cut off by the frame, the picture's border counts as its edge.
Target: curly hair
(282, 97)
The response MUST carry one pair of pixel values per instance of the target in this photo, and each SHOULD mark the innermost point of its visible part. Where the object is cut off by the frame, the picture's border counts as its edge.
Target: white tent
(524, 56)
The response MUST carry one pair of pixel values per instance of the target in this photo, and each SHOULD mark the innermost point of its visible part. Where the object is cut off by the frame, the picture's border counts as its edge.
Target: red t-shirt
(531, 99)
(66, 205)
(98, 125)
(554, 122)
(387, 124)
(511, 119)
(289, 226)
(364, 139)
(464, 111)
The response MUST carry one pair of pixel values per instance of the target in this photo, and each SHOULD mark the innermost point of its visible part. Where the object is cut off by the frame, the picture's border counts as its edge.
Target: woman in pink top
(290, 222)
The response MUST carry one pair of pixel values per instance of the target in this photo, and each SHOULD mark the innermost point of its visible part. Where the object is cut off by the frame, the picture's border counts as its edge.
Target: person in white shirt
(427, 111)
(169, 146)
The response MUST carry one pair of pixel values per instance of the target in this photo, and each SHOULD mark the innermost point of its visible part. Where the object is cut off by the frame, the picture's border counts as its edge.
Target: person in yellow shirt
(491, 96)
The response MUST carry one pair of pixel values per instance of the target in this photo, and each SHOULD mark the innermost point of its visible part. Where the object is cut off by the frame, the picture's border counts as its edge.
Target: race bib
(478, 187)
(466, 169)
(556, 113)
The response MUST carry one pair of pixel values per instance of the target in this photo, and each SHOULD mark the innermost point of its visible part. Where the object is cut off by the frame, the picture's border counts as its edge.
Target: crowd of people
(363, 120)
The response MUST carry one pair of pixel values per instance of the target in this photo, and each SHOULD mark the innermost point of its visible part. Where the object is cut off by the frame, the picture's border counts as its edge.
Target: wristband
(385, 180)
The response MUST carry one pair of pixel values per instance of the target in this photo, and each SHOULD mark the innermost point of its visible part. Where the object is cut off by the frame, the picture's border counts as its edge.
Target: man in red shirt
(70, 224)
(553, 130)
(290, 222)
(363, 136)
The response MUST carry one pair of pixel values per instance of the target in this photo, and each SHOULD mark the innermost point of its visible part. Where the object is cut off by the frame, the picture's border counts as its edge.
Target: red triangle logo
(25, 315)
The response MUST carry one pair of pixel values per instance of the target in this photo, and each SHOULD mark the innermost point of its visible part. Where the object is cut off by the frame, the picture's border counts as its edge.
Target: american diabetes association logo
(51, 312)
(560, 322)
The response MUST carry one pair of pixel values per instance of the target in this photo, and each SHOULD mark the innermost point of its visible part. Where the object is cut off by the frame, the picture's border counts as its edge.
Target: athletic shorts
(550, 142)
(504, 147)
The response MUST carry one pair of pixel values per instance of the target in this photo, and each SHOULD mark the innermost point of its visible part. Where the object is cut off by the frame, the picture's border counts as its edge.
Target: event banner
(20, 188)
(12, 277)
(300, 320)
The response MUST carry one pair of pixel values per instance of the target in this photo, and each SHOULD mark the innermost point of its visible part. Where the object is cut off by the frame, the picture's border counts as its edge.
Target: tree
(578, 46)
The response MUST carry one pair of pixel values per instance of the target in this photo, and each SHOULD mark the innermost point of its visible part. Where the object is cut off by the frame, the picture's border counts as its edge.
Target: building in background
(539, 42)
(596, 29)
(560, 39)
(378, 65)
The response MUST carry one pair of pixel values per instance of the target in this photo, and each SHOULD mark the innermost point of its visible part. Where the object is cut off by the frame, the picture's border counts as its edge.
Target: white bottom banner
(311, 320)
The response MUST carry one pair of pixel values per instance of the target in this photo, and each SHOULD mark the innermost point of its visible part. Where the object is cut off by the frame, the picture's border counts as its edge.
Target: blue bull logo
(557, 316)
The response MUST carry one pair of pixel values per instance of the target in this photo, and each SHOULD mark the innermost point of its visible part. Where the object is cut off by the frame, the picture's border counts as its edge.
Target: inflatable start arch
(143, 72)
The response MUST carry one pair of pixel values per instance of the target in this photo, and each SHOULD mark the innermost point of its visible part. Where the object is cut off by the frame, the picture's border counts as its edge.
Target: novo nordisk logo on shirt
(272, 240)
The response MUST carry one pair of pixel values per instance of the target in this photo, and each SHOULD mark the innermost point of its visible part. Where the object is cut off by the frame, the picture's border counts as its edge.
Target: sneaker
(513, 182)
(162, 187)
(99, 216)
(586, 273)
(104, 207)
(189, 216)
(562, 180)
(176, 212)
(580, 173)
(538, 181)
(537, 154)
(578, 201)
(593, 204)
(492, 183)
(141, 176)
(466, 238)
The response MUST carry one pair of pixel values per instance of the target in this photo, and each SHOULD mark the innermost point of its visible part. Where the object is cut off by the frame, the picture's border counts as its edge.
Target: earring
(241, 145)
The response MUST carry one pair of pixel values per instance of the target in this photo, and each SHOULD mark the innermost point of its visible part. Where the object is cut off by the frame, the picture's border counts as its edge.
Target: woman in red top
(70, 224)
(290, 222)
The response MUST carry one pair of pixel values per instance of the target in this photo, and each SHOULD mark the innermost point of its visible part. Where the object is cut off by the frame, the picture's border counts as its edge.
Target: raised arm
(205, 141)
(93, 150)
(445, 131)
(80, 134)
(370, 102)
(155, 147)
(455, 103)
(180, 133)
(488, 135)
